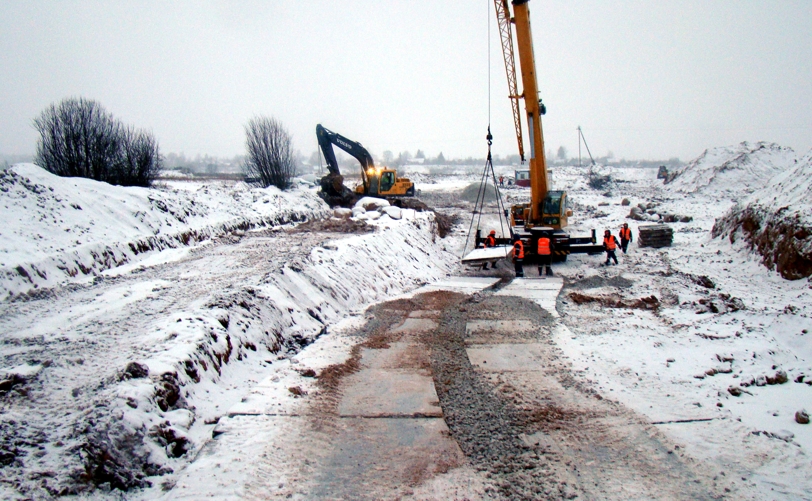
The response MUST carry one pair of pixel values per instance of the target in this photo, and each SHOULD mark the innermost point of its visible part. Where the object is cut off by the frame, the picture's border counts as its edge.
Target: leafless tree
(269, 160)
(79, 138)
(140, 160)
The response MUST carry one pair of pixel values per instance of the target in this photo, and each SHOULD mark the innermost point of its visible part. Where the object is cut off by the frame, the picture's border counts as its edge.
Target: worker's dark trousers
(518, 263)
(610, 254)
(624, 244)
(546, 261)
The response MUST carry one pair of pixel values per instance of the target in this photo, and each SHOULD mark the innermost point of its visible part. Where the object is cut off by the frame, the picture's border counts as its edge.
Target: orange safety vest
(609, 242)
(625, 233)
(544, 246)
(490, 241)
(518, 249)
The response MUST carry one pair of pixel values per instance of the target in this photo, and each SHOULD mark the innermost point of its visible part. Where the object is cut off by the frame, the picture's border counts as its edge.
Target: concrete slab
(415, 325)
(486, 255)
(425, 314)
(383, 459)
(398, 356)
(542, 291)
(500, 326)
(389, 393)
(466, 285)
(514, 357)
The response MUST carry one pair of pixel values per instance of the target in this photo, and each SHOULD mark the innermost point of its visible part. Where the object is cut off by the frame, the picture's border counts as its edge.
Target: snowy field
(133, 319)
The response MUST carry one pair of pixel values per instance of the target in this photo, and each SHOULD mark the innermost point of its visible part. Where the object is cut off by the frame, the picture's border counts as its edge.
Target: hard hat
(493, 232)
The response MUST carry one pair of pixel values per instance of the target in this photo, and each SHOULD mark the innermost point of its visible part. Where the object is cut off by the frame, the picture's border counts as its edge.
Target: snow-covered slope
(71, 229)
(731, 171)
(776, 221)
(119, 382)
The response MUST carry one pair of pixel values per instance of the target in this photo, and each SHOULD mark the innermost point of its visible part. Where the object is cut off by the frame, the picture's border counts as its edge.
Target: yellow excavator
(548, 211)
(375, 182)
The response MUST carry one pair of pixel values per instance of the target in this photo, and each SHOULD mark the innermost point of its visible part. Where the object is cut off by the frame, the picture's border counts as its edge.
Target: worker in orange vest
(610, 244)
(490, 241)
(545, 253)
(625, 237)
(518, 255)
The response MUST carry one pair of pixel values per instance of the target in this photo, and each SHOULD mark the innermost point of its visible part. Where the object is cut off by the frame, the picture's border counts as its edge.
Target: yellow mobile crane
(547, 212)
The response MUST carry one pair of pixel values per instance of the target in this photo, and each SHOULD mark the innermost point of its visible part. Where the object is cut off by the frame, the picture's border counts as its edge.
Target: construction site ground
(441, 397)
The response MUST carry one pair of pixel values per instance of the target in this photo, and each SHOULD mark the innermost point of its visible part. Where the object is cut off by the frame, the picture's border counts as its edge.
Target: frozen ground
(696, 363)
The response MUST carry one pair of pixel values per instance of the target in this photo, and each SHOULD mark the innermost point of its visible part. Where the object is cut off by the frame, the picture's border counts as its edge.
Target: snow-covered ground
(132, 323)
(115, 374)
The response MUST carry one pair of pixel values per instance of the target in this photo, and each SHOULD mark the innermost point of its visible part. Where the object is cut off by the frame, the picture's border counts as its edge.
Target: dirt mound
(731, 170)
(776, 222)
(473, 190)
(615, 301)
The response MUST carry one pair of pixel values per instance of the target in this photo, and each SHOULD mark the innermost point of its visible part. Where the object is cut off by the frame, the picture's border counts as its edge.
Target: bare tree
(269, 158)
(79, 138)
(140, 160)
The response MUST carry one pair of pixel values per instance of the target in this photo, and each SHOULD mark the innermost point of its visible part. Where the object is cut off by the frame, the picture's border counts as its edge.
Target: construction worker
(490, 241)
(518, 255)
(545, 254)
(501, 180)
(625, 236)
(610, 244)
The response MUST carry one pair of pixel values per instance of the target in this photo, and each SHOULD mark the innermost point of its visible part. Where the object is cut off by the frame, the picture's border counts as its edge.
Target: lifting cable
(488, 173)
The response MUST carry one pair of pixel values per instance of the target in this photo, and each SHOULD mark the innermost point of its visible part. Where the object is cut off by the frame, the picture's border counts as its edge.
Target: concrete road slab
(543, 292)
(425, 314)
(384, 459)
(466, 285)
(415, 325)
(389, 393)
(514, 357)
(399, 355)
(500, 326)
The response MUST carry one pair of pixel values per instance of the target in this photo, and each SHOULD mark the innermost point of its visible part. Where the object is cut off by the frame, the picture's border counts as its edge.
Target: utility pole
(579, 146)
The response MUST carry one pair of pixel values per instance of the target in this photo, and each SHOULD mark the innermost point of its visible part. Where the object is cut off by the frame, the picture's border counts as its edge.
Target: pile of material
(655, 235)
(731, 170)
(776, 222)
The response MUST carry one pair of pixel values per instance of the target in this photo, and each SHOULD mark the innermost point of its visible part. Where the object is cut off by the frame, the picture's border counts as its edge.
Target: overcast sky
(643, 79)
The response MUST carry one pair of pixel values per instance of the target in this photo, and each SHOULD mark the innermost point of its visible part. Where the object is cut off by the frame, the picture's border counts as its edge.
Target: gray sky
(644, 79)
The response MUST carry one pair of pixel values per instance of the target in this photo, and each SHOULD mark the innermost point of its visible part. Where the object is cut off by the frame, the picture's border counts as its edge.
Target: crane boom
(506, 36)
(538, 160)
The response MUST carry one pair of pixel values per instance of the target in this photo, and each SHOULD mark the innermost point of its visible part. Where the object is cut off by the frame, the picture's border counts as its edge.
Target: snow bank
(731, 171)
(70, 229)
(776, 221)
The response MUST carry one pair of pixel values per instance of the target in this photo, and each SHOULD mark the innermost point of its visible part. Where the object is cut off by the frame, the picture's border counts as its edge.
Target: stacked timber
(655, 235)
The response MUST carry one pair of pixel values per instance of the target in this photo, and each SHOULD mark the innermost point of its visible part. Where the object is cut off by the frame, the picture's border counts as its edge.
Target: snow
(208, 317)
(732, 170)
(239, 306)
(71, 229)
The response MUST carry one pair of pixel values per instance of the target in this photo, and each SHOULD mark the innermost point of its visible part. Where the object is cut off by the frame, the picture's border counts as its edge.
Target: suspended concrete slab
(478, 257)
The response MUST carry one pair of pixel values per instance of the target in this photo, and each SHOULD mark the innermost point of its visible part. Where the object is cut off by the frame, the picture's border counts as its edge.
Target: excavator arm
(328, 138)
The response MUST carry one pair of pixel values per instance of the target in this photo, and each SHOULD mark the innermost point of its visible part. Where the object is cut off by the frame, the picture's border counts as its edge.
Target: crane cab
(554, 211)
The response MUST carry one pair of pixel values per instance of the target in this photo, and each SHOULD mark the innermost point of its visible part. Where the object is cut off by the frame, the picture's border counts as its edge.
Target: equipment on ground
(662, 172)
(655, 235)
(548, 211)
(375, 182)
